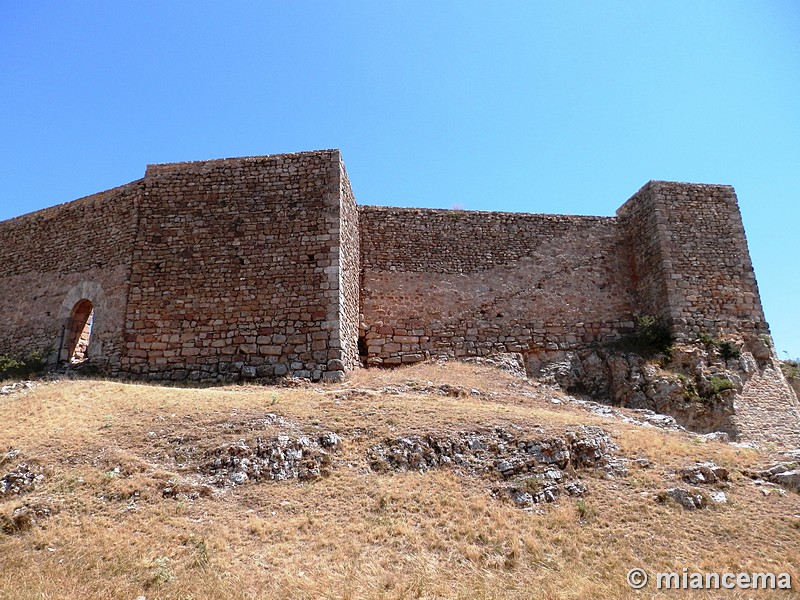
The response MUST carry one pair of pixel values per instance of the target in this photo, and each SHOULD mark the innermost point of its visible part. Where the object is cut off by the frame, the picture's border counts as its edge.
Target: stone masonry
(261, 267)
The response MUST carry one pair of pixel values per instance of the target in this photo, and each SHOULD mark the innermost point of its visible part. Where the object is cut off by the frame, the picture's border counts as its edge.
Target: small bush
(707, 340)
(720, 384)
(728, 350)
(649, 338)
(585, 512)
(791, 369)
(15, 367)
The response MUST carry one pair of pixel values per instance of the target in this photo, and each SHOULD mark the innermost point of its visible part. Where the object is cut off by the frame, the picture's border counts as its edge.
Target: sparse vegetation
(18, 367)
(649, 338)
(726, 348)
(585, 511)
(358, 533)
(791, 369)
(719, 385)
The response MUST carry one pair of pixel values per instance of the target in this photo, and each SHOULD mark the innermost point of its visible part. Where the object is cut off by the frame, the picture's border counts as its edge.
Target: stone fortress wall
(208, 271)
(444, 282)
(258, 267)
(52, 259)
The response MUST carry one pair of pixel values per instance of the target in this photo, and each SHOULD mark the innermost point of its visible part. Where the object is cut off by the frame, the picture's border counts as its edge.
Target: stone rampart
(53, 258)
(236, 270)
(442, 282)
(690, 261)
(262, 267)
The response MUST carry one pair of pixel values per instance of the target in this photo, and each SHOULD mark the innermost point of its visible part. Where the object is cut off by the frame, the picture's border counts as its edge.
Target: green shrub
(585, 512)
(649, 337)
(707, 340)
(720, 384)
(15, 366)
(728, 350)
(791, 369)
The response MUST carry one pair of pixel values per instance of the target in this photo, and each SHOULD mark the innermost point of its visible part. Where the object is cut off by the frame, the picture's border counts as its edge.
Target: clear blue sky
(554, 107)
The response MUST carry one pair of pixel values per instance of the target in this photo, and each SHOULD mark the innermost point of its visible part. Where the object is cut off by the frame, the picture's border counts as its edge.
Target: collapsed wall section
(449, 282)
(236, 270)
(53, 260)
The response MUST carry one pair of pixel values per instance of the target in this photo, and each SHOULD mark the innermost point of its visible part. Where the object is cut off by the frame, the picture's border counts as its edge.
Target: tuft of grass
(791, 369)
(719, 385)
(585, 511)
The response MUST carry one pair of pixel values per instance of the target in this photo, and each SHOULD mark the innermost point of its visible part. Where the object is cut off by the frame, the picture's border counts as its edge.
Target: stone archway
(82, 312)
(78, 331)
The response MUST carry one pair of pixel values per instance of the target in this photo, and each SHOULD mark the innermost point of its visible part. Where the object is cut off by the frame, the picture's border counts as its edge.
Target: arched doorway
(79, 331)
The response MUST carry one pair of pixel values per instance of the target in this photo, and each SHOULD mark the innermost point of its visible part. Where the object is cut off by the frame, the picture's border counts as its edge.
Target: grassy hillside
(124, 498)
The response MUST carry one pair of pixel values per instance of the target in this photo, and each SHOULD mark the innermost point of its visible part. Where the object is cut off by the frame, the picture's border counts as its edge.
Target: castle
(245, 268)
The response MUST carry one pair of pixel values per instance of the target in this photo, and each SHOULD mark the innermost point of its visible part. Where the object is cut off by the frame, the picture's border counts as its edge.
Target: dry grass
(356, 534)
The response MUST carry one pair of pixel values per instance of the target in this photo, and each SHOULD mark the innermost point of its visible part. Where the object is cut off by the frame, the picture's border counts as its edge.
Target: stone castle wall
(690, 261)
(53, 258)
(236, 270)
(264, 266)
(350, 273)
(440, 282)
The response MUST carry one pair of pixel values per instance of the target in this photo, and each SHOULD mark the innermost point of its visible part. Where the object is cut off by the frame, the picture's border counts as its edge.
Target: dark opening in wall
(79, 331)
(362, 347)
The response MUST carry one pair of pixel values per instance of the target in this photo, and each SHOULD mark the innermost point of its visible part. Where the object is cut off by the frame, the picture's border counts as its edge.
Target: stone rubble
(22, 478)
(704, 473)
(277, 458)
(688, 499)
(784, 473)
(532, 469)
(16, 387)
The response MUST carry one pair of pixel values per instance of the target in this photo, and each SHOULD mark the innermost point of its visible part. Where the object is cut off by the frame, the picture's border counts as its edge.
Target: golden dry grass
(355, 534)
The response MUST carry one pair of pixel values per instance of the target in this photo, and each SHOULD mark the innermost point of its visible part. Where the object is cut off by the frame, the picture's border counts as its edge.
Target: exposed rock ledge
(736, 388)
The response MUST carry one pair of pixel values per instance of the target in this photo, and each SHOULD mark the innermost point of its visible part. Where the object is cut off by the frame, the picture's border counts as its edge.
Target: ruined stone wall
(691, 259)
(235, 270)
(441, 282)
(54, 258)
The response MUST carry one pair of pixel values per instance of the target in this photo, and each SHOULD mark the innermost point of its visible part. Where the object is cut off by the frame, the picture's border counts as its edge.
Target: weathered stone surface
(532, 469)
(278, 458)
(788, 479)
(704, 473)
(510, 362)
(735, 398)
(197, 266)
(16, 387)
(258, 267)
(688, 499)
(18, 477)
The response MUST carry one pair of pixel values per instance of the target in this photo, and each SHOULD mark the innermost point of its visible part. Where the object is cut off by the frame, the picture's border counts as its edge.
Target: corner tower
(689, 259)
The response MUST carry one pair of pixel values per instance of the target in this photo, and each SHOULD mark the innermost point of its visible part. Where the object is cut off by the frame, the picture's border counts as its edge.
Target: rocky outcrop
(510, 362)
(19, 478)
(16, 387)
(530, 468)
(784, 472)
(731, 386)
(278, 458)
